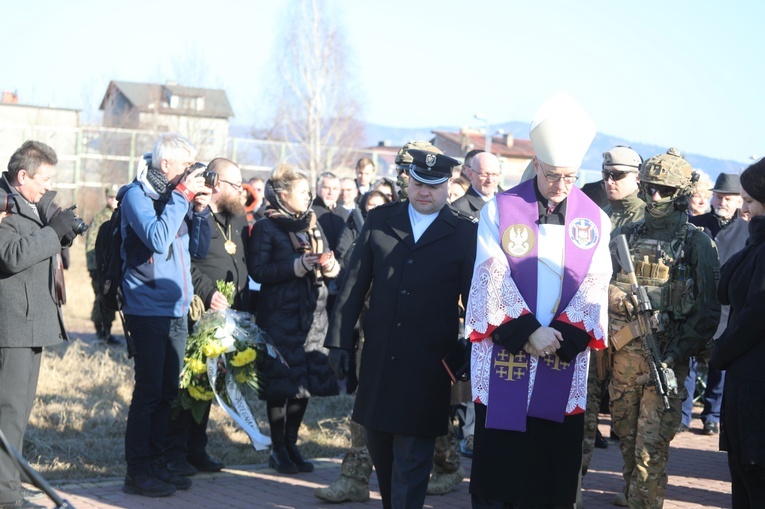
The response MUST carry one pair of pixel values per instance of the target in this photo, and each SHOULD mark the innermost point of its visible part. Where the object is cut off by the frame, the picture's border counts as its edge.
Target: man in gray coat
(31, 290)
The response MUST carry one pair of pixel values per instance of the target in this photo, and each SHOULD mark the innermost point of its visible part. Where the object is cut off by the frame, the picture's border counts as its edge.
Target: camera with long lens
(211, 177)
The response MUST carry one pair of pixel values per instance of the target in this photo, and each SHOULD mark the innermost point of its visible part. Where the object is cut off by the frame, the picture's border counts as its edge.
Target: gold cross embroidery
(508, 369)
(555, 363)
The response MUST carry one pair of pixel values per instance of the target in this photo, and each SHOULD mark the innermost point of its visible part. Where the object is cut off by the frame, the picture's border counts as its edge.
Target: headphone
(683, 200)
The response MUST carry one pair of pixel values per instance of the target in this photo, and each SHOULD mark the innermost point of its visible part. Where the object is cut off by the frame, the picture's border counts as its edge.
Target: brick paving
(698, 478)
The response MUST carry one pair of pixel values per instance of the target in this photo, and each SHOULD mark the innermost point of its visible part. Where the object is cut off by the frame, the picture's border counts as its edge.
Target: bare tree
(316, 108)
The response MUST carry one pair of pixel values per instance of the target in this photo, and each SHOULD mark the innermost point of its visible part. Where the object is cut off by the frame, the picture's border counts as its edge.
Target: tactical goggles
(664, 191)
(614, 175)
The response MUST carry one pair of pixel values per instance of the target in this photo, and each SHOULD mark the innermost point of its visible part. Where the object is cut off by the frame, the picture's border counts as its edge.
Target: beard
(230, 205)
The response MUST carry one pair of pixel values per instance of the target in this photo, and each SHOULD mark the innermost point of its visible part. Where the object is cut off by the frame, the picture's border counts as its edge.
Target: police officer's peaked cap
(430, 167)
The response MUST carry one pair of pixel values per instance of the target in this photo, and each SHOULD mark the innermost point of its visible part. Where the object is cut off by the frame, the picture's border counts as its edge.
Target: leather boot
(280, 460)
(290, 438)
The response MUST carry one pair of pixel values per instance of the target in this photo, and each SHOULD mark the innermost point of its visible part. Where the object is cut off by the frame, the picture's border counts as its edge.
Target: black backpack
(109, 261)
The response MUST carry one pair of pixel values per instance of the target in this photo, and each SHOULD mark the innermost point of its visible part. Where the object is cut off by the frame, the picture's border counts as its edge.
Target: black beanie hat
(753, 180)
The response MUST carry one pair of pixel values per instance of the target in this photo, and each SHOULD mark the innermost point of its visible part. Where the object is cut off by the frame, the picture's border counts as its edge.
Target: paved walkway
(698, 478)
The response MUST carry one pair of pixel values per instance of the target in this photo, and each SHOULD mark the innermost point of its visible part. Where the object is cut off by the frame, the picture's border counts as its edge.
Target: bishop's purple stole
(509, 402)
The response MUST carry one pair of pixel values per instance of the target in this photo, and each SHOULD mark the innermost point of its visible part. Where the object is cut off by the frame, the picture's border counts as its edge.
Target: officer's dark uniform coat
(412, 320)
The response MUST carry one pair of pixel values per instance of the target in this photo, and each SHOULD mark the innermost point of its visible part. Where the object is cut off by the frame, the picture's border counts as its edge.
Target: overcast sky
(683, 73)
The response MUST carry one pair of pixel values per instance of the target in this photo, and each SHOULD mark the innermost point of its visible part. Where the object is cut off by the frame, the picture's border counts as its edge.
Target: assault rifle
(662, 377)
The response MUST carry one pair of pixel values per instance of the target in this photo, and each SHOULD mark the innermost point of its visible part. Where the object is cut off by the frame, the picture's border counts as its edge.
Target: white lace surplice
(495, 299)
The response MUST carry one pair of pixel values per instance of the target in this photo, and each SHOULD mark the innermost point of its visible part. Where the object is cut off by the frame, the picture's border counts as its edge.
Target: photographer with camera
(165, 222)
(31, 289)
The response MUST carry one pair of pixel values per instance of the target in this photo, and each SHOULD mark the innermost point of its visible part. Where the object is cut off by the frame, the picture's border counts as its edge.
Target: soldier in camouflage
(620, 180)
(353, 483)
(101, 315)
(678, 266)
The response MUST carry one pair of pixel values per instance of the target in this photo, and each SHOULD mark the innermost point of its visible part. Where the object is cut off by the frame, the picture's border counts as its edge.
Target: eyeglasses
(616, 176)
(555, 178)
(238, 187)
(664, 191)
(484, 175)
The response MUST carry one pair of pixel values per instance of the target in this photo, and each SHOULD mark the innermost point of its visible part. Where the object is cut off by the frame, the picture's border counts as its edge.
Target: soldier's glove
(340, 362)
(619, 301)
(62, 222)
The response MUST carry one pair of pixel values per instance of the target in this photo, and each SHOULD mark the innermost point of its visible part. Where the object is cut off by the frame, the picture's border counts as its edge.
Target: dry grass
(77, 426)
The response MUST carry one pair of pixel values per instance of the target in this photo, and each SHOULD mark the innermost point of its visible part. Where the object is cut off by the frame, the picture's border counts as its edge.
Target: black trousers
(747, 484)
(402, 463)
(187, 438)
(160, 342)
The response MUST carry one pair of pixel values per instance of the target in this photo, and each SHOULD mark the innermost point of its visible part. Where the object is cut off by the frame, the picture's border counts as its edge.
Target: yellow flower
(241, 377)
(197, 367)
(213, 349)
(200, 394)
(243, 358)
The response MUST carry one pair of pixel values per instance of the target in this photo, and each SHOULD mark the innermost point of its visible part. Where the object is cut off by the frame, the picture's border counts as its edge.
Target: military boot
(440, 484)
(344, 489)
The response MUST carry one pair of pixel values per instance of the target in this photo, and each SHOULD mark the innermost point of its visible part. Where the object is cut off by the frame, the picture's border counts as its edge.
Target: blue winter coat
(159, 240)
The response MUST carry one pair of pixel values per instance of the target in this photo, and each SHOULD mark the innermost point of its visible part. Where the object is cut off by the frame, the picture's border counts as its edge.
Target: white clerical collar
(420, 222)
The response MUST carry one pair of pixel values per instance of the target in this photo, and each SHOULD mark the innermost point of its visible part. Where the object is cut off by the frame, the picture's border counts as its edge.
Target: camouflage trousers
(358, 465)
(446, 458)
(101, 316)
(595, 388)
(644, 427)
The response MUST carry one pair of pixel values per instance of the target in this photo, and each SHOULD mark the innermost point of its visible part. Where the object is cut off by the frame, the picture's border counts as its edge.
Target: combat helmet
(404, 159)
(668, 169)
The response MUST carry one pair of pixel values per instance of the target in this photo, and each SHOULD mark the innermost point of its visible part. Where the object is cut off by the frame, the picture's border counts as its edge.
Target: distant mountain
(397, 136)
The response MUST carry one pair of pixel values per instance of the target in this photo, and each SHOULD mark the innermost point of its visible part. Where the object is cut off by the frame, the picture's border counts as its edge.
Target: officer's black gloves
(340, 362)
(62, 221)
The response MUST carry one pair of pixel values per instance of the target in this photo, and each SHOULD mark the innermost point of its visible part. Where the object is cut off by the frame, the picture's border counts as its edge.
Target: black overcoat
(413, 317)
(292, 310)
(470, 203)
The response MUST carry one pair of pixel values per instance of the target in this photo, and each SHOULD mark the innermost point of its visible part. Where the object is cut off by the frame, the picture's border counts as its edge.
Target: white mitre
(561, 132)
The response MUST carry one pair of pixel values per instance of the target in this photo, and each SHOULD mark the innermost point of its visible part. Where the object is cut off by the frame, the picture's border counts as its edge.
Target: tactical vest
(663, 269)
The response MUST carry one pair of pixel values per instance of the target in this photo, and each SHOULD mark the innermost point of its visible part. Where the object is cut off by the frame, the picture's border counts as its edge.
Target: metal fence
(92, 157)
